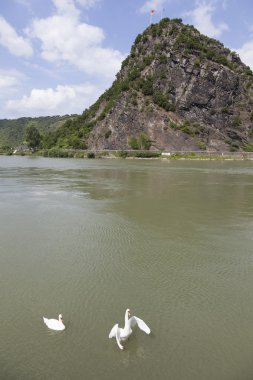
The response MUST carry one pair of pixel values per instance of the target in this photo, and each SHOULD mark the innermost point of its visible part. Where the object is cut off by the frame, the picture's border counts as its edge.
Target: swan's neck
(126, 318)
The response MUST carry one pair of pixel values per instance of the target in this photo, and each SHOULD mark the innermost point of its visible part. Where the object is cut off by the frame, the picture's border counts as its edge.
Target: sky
(58, 56)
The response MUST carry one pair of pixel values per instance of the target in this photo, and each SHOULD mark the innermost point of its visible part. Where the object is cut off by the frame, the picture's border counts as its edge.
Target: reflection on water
(88, 238)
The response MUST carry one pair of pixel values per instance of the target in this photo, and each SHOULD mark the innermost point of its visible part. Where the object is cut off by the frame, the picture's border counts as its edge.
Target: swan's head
(128, 312)
(60, 316)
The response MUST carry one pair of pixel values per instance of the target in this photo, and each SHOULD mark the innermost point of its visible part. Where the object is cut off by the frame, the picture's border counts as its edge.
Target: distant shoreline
(134, 154)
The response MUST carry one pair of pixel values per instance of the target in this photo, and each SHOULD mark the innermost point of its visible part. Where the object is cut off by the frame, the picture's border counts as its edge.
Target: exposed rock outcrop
(178, 90)
(184, 90)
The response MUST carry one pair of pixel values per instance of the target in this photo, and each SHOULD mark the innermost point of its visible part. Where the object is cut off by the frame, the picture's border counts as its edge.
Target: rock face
(179, 89)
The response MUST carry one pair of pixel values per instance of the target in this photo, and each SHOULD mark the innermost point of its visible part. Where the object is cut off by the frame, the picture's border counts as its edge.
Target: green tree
(147, 86)
(144, 141)
(32, 137)
(133, 143)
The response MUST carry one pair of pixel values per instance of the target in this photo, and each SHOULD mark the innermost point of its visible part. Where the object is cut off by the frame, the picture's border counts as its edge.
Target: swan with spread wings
(122, 334)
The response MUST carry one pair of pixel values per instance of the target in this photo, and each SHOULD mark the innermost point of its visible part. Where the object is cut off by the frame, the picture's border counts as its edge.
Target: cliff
(177, 90)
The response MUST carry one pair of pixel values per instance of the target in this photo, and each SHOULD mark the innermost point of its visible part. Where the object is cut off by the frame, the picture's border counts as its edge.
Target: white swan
(122, 334)
(54, 324)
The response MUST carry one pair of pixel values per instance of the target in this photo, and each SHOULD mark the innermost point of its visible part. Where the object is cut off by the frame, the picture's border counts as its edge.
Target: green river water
(171, 240)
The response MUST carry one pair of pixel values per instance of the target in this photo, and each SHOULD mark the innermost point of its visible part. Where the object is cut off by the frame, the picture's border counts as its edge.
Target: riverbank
(131, 154)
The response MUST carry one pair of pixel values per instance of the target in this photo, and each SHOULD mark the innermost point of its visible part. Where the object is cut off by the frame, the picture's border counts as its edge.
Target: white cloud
(9, 81)
(66, 7)
(16, 44)
(246, 53)
(49, 101)
(201, 17)
(64, 39)
(88, 3)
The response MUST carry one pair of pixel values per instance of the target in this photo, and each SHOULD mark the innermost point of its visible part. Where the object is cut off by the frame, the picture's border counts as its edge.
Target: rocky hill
(177, 90)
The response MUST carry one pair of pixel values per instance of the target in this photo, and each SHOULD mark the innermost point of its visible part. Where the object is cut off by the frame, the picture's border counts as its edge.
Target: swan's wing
(113, 331)
(118, 338)
(140, 323)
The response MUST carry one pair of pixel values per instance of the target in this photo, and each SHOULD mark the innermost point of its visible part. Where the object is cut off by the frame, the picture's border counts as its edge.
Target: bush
(44, 152)
(125, 85)
(142, 141)
(248, 71)
(121, 154)
(164, 22)
(134, 74)
(147, 60)
(90, 155)
(108, 133)
(147, 86)
(125, 62)
(185, 127)
(236, 121)
(157, 47)
(197, 62)
(147, 154)
(162, 101)
(235, 144)
(248, 147)
(76, 143)
(137, 39)
(71, 154)
(163, 59)
(132, 142)
(177, 20)
(102, 116)
(201, 144)
(56, 152)
(173, 125)
(221, 59)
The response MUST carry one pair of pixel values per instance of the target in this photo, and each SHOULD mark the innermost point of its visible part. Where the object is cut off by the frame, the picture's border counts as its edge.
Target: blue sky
(58, 56)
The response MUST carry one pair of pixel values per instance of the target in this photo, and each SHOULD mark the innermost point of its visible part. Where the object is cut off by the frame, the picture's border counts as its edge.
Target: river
(171, 240)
